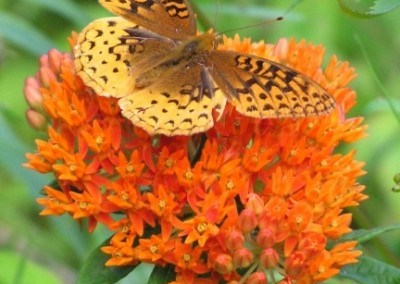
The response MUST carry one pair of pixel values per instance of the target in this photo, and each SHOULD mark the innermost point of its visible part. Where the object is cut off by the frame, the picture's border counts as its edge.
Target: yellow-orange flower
(264, 194)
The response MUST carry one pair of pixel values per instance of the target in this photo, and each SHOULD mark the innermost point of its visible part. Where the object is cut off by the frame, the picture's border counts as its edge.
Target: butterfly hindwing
(181, 104)
(169, 18)
(261, 88)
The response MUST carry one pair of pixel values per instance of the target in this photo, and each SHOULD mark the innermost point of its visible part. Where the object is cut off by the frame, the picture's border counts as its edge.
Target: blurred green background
(51, 250)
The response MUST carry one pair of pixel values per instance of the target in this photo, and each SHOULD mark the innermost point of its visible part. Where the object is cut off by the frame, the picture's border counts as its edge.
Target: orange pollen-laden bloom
(247, 196)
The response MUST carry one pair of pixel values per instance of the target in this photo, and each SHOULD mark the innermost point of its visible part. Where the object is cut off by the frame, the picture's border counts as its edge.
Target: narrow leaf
(363, 235)
(12, 152)
(371, 271)
(65, 8)
(161, 275)
(95, 272)
(21, 33)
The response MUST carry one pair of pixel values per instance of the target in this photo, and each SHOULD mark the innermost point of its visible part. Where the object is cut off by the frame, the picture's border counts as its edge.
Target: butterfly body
(171, 80)
(182, 55)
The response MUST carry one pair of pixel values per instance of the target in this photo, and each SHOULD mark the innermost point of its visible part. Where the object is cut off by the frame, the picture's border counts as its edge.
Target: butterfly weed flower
(260, 203)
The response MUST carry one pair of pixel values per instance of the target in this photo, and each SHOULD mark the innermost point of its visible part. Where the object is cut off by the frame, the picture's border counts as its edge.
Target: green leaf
(95, 272)
(65, 8)
(368, 9)
(363, 235)
(162, 275)
(378, 81)
(371, 271)
(21, 33)
(12, 152)
(384, 6)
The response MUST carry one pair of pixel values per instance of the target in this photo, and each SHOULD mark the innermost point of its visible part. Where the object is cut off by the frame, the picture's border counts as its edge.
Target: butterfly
(171, 80)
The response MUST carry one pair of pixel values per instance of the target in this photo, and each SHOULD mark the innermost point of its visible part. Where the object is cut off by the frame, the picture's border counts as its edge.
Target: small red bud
(224, 264)
(266, 238)
(35, 119)
(46, 76)
(247, 220)
(33, 97)
(255, 203)
(269, 258)
(55, 59)
(257, 278)
(234, 240)
(243, 258)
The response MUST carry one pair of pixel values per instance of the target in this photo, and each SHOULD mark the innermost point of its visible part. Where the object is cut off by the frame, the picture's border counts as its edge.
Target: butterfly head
(204, 42)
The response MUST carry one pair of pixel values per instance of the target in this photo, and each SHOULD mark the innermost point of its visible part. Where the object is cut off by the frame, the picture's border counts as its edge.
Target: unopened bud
(35, 119)
(269, 258)
(243, 258)
(234, 240)
(255, 203)
(224, 264)
(247, 220)
(257, 278)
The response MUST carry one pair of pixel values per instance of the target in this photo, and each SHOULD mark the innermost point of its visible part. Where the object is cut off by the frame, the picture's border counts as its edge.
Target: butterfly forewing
(111, 52)
(181, 103)
(169, 18)
(261, 88)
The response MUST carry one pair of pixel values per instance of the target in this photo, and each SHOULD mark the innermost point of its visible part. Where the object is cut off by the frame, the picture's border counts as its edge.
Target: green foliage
(66, 8)
(94, 271)
(18, 268)
(371, 271)
(24, 35)
(162, 275)
(367, 9)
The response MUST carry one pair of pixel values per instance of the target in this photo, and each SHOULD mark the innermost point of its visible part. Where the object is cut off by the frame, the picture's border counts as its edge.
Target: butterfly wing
(180, 104)
(170, 18)
(261, 88)
(111, 52)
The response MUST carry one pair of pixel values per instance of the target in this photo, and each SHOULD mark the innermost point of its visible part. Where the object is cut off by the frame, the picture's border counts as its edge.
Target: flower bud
(224, 264)
(32, 96)
(243, 258)
(234, 240)
(46, 76)
(247, 220)
(255, 203)
(269, 258)
(55, 59)
(35, 119)
(257, 278)
(265, 238)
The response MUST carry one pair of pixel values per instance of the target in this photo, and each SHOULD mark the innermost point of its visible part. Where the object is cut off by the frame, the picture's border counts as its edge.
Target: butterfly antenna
(291, 7)
(254, 25)
(217, 7)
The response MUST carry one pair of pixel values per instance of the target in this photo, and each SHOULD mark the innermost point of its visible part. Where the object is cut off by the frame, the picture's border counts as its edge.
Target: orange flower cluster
(250, 200)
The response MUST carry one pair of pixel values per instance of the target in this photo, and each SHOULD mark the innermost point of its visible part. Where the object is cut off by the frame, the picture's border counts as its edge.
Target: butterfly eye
(191, 47)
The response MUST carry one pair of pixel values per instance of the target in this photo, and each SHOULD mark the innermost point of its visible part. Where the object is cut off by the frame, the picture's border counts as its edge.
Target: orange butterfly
(169, 79)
